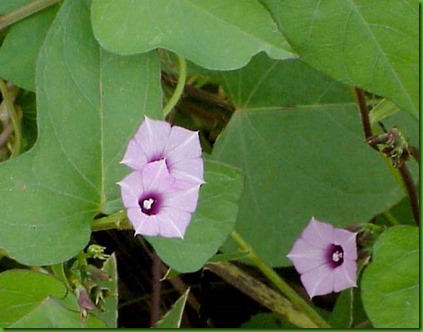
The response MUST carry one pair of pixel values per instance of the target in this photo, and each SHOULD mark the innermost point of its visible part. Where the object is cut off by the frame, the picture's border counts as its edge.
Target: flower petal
(190, 170)
(185, 199)
(156, 177)
(318, 281)
(345, 276)
(347, 240)
(134, 157)
(131, 188)
(182, 144)
(152, 137)
(306, 257)
(148, 226)
(173, 222)
(318, 234)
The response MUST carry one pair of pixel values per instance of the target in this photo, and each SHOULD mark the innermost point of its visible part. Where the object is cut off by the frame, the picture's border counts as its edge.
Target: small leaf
(373, 44)
(172, 319)
(390, 284)
(211, 223)
(21, 291)
(50, 314)
(216, 34)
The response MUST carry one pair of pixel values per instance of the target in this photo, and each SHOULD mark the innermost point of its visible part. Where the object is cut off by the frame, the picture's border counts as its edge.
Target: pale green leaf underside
(89, 104)
(390, 284)
(215, 34)
(373, 44)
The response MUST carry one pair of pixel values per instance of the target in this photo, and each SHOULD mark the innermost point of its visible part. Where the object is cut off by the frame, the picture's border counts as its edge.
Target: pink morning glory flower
(156, 202)
(158, 140)
(325, 257)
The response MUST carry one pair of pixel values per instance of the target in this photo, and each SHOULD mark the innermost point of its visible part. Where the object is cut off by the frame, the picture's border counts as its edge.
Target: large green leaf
(373, 44)
(21, 291)
(211, 223)
(90, 103)
(303, 154)
(390, 284)
(216, 34)
(51, 314)
(18, 53)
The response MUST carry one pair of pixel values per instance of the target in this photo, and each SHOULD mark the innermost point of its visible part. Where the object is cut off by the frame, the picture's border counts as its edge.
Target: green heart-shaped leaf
(90, 102)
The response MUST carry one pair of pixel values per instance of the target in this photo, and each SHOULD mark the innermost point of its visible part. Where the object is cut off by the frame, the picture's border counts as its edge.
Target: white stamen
(147, 203)
(337, 256)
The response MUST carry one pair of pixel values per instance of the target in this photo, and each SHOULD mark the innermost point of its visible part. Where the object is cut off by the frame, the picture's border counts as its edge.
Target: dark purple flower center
(335, 255)
(150, 204)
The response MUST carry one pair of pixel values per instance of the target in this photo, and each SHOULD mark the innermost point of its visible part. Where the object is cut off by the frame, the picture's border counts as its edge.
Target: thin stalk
(391, 218)
(25, 11)
(262, 294)
(117, 220)
(411, 191)
(402, 169)
(59, 272)
(155, 288)
(8, 100)
(364, 112)
(182, 71)
(291, 294)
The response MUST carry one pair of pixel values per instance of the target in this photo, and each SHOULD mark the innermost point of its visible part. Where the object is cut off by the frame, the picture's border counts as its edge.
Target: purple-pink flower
(325, 257)
(161, 193)
(157, 203)
(158, 140)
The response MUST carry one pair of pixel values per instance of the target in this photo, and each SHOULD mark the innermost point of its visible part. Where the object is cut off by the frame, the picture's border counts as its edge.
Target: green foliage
(20, 52)
(270, 90)
(297, 169)
(21, 291)
(372, 44)
(212, 34)
(89, 104)
(390, 284)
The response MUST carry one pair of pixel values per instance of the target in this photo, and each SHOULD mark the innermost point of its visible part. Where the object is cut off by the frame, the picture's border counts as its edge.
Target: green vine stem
(262, 294)
(292, 295)
(8, 100)
(25, 11)
(117, 220)
(182, 70)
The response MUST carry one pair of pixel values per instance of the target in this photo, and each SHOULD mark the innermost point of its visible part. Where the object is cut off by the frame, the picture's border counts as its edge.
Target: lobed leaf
(303, 154)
